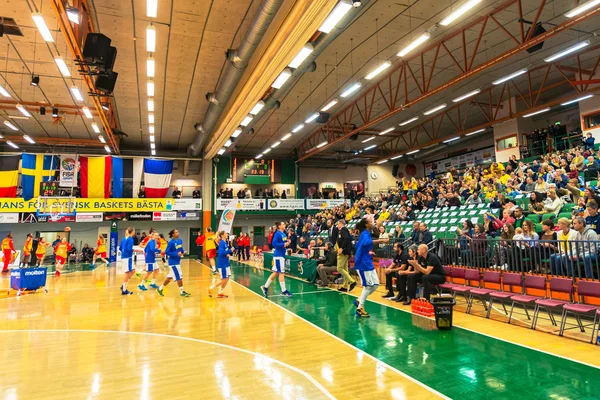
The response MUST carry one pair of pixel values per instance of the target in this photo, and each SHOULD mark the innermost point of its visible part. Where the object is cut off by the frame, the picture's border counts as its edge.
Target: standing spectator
(247, 246)
(240, 246)
(344, 243)
(199, 243)
(176, 193)
(142, 192)
(270, 237)
(588, 142)
(196, 194)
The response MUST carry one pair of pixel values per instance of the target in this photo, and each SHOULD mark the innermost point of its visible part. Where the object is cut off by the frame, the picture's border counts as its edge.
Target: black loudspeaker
(322, 118)
(96, 48)
(111, 56)
(106, 83)
(538, 29)
(395, 169)
(354, 137)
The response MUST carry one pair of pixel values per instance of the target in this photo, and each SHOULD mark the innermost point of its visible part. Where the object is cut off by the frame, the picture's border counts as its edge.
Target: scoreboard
(252, 167)
(49, 189)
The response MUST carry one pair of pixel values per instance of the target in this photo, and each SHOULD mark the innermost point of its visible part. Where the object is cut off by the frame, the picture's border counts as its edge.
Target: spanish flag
(9, 175)
(95, 173)
(35, 169)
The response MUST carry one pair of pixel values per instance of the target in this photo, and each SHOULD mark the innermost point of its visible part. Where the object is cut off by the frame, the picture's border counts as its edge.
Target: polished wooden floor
(83, 339)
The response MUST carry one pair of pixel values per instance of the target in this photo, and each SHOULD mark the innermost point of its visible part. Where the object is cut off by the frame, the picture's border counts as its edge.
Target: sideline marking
(281, 363)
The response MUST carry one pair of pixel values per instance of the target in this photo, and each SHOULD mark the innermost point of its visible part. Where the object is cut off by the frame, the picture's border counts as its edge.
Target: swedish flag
(35, 169)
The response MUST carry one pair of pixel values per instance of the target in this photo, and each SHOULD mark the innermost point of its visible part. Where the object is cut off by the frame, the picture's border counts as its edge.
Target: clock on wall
(374, 175)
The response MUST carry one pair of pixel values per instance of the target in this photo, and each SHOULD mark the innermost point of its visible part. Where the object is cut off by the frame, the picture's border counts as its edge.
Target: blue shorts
(225, 272)
(150, 267)
(127, 264)
(175, 272)
(278, 264)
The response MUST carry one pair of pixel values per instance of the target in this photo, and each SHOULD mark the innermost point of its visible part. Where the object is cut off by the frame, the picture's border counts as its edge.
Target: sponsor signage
(285, 204)
(113, 242)
(89, 217)
(63, 218)
(9, 218)
(32, 218)
(318, 204)
(164, 216)
(68, 170)
(115, 216)
(188, 216)
(243, 204)
(140, 216)
(187, 204)
(87, 205)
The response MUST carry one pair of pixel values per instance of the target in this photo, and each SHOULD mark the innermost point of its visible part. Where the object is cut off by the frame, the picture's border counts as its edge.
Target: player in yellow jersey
(40, 252)
(162, 244)
(8, 248)
(211, 248)
(100, 250)
(61, 250)
(26, 256)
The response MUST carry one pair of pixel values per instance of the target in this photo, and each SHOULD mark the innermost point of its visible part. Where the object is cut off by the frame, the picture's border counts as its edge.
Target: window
(591, 120)
(506, 143)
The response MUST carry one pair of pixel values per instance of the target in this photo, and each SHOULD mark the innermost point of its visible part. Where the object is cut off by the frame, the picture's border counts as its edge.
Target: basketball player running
(280, 242)
(8, 248)
(211, 249)
(223, 253)
(363, 263)
(127, 259)
(26, 257)
(150, 252)
(100, 250)
(61, 250)
(174, 251)
(40, 252)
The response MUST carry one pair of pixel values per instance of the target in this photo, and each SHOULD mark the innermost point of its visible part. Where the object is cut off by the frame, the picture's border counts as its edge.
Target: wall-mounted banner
(89, 217)
(113, 242)
(68, 170)
(188, 216)
(285, 204)
(88, 205)
(140, 216)
(228, 215)
(319, 204)
(63, 218)
(9, 218)
(164, 216)
(187, 204)
(243, 204)
(115, 216)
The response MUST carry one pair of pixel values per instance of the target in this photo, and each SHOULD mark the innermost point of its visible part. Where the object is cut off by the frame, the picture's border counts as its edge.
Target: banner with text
(242, 204)
(187, 204)
(88, 205)
(228, 215)
(285, 204)
(320, 204)
(68, 170)
(89, 217)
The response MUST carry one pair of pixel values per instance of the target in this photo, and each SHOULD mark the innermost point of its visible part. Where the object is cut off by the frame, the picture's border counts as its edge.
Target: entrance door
(258, 236)
(193, 236)
(236, 231)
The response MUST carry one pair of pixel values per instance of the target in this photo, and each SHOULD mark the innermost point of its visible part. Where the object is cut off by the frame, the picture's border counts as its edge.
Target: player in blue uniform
(363, 264)
(223, 253)
(150, 252)
(174, 252)
(127, 259)
(279, 243)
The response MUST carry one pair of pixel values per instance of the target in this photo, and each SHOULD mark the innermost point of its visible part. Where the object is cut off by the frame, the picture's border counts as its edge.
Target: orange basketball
(68, 229)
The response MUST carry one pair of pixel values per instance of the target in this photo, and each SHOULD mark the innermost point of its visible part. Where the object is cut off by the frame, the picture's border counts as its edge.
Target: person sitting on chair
(400, 264)
(429, 271)
(329, 266)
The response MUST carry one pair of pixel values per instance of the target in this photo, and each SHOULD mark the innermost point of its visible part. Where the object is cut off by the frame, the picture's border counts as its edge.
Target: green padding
(257, 179)
(297, 266)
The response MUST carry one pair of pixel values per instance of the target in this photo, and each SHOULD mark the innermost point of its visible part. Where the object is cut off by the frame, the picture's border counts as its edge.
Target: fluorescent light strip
(95, 127)
(386, 131)
(466, 96)
(414, 44)
(286, 137)
(370, 147)
(569, 50)
(38, 19)
(301, 56)
(11, 144)
(247, 120)
(153, 152)
(29, 139)
(459, 12)
(4, 92)
(150, 67)
(312, 118)
(153, 146)
(378, 70)
(23, 110)
(260, 156)
(151, 105)
(62, 66)
(101, 138)
(221, 152)
(577, 100)
(329, 105)
(351, 90)
(11, 126)
(228, 143)
(266, 151)
(256, 109)
(151, 138)
(397, 157)
(473, 133)
(283, 76)
(412, 152)
(150, 88)
(438, 108)
(298, 128)
(537, 112)
(582, 8)
(452, 140)
(336, 15)
(76, 93)
(151, 129)
(107, 149)
(321, 144)
(382, 161)
(150, 118)
(275, 144)
(151, 8)
(509, 77)
(150, 39)
(87, 112)
(237, 132)
(408, 121)
(369, 139)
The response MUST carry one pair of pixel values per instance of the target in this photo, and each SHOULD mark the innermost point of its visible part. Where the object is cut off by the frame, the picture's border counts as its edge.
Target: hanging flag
(94, 173)
(157, 176)
(35, 169)
(126, 176)
(9, 175)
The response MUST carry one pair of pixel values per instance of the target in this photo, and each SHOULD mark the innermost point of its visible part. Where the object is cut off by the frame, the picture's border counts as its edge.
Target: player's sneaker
(356, 303)
(286, 293)
(222, 296)
(154, 286)
(139, 275)
(352, 286)
(265, 291)
(209, 292)
(214, 271)
(126, 292)
(185, 294)
(360, 312)
(57, 273)
(160, 292)
(142, 287)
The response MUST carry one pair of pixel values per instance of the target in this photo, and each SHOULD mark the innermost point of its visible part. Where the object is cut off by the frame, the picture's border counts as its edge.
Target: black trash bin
(443, 306)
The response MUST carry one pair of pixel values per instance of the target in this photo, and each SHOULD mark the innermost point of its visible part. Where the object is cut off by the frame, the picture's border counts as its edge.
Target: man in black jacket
(400, 264)
(425, 237)
(329, 266)
(344, 242)
(332, 231)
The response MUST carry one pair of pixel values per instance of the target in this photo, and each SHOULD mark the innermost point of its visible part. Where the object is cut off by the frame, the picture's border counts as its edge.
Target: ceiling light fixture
(151, 138)
(150, 104)
(435, 109)
(321, 144)
(95, 127)
(73, 15)
(329, 105)
(54, 112)
(29, 139)
(237, 132)
(101, 138)
(414, 44)
(356, 3)
(351, 90)
(266, 151)
(150, 67)
(275, 144)
(378, 70)
(150, 118)
(283, 76)
(576, 100)
(569, 50)
(150, 38)
(286, 137)
(412, 152)
(336, 15)
(408, 121)
(87, 112)
(475, 132)
(509, 77)
(150, 87)
(42, 110)
(256, 109)
(11, 126)
(76, 93)
(62, 66)
(382, 161)
(397, 157)
(536, 112)
(42, 27)
(247, 120)
(151, 129)
(151, 8)
(301, 56)
(11, 144)
(4, 92)
(370, 147)
(221, 152)
(35, 80)
(107, 149)
(466, 96)
(228, 143)
(153, 152)
(583, 7)
(298, 128)
(459, 12)
(452, 140)
(386, 131)
(153, 146)
(259, 156)
(104, 106)
(369, 139)
(312, 118)
(23, 110)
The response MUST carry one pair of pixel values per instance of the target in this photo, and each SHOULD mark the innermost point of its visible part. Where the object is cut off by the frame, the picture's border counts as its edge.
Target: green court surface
(456, 363)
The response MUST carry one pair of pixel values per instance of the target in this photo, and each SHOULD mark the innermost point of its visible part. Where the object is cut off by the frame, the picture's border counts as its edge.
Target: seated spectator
(541, 186)
(591, 169)
(424, 236)
(592, 218)
(383, 215)
(196, 194)
(536, 203)
(87, 254)
(553, 203)
(590, 195)
(428, 270)
(383, 235)
(586, 248)
(400, 263)
(176, 193)
(398, 234)
(473, 199)
(329, 266)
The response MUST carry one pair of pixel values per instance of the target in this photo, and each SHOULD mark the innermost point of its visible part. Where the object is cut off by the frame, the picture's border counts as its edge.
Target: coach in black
(428, 270)
(400, 264)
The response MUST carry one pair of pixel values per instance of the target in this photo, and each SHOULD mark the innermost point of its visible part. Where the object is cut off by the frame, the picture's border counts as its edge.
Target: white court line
(301, 293)
(483, 334)
(281, 363)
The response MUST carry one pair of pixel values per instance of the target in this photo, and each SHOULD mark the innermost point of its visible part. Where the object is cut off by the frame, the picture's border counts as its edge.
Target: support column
(207, 193)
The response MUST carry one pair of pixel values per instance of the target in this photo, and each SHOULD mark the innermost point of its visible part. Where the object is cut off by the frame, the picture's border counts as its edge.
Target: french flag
(157, 176)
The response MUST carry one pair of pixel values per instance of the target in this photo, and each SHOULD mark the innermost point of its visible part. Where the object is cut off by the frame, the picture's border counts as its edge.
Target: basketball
(68, 229)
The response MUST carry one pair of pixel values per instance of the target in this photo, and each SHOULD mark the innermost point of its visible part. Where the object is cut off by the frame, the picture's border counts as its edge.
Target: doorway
(258, 236)
(192, 244)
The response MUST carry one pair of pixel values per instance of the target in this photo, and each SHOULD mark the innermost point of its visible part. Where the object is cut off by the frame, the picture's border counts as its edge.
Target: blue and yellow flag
(35, 169)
